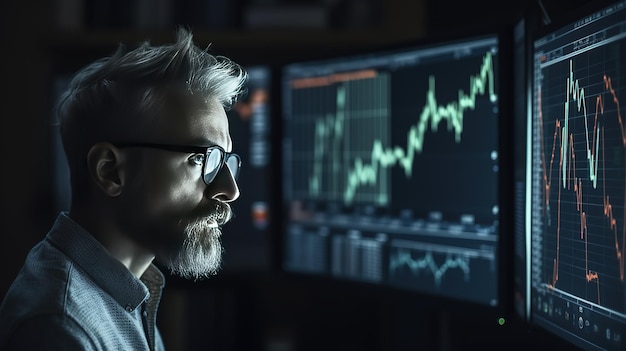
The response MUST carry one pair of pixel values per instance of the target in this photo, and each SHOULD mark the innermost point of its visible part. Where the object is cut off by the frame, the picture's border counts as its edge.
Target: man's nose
(223, 187)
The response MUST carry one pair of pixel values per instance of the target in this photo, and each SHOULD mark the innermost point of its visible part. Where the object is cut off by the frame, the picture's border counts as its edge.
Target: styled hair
(109, 99)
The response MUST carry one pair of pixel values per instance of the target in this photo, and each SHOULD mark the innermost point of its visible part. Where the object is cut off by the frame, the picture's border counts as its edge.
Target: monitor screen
(577, 179)
(391, 168)
(247, 239)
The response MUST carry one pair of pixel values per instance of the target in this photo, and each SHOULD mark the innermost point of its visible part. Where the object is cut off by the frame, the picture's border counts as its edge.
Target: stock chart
(391, 168)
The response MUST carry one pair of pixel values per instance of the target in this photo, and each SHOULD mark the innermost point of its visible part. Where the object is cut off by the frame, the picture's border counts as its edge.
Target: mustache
(216, 211)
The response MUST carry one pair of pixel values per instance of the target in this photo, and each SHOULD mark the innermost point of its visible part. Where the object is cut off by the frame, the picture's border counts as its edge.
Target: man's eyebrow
(203, 142)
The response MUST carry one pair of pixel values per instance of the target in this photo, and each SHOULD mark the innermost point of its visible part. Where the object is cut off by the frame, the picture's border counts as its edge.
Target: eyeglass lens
(213, 161)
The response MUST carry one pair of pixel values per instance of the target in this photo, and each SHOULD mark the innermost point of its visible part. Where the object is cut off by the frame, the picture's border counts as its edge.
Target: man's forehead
(198, 121)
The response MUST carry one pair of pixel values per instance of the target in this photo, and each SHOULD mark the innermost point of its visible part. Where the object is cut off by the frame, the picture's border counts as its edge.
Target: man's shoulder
(51, 282)
(42, 281)
(71, 282)
(53, 293)
(40, 294)
(47, 331)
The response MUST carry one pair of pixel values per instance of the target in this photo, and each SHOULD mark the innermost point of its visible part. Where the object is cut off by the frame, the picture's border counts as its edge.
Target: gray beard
(201, 253)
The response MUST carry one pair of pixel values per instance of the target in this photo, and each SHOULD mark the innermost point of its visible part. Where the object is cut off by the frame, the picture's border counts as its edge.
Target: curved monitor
(393, 170)
(248, 239)
(577, 179)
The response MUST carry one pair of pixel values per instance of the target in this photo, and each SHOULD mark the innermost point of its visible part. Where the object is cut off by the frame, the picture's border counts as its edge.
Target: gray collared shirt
(72, 295)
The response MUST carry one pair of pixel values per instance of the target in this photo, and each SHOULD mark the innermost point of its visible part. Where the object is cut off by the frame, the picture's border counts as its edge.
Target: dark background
(257, 310)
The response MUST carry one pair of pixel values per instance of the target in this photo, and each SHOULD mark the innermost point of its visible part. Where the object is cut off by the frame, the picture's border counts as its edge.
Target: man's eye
(197, 159)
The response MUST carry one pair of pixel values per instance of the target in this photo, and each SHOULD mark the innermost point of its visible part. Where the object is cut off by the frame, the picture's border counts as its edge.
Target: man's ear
(105, 164)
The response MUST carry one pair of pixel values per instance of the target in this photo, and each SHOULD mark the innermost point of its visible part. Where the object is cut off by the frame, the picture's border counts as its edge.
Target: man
(149, 151)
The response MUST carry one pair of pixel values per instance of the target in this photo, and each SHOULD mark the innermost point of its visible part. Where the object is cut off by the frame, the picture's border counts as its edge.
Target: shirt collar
(110, 274)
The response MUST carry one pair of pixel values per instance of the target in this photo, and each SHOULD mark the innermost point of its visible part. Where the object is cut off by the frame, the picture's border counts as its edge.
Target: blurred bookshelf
(248, 31)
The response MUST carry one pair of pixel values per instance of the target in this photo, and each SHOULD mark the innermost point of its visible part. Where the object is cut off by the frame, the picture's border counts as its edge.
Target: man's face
(167, 207)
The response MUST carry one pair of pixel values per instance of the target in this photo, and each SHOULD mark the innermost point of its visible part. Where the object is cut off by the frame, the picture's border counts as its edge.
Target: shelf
(243, 45)
(90, 39)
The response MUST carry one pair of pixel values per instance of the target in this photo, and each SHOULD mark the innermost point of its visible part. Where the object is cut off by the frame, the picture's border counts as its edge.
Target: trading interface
(391, 168)
(578, 197)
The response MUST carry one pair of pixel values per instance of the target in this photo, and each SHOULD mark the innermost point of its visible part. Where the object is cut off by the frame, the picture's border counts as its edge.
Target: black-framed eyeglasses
(213, 158)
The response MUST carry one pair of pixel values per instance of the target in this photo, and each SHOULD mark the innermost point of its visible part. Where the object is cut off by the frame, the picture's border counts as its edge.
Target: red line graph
(563, 146)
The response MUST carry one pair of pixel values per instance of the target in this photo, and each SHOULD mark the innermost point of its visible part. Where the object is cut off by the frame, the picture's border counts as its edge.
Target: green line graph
(352, 150)
(360, 114)
(453, 112)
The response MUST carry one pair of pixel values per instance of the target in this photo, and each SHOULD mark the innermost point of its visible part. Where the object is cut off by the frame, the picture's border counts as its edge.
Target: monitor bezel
(504, 35)
(536, 32)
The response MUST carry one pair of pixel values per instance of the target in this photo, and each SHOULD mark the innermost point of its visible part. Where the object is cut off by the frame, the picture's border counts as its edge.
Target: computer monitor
(393, 168)
(247, 239)
(577, 178)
